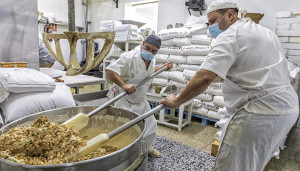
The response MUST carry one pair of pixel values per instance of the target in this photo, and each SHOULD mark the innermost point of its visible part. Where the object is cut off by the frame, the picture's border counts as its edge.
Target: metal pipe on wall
(71, 15)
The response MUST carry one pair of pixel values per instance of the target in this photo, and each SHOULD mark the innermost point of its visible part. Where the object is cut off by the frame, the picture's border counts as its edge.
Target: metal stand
(165, 119)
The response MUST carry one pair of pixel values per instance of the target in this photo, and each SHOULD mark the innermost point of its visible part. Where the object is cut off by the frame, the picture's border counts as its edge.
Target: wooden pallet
(205, 120)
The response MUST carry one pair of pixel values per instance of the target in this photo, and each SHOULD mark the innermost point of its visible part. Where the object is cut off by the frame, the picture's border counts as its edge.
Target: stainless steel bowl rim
(64, 164)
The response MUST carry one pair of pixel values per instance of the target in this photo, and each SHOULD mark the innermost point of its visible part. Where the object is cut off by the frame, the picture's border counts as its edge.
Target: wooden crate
(256, 17)
(214, 148)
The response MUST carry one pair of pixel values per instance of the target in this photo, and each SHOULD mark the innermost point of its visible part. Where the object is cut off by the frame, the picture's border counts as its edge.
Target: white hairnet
(222, 4)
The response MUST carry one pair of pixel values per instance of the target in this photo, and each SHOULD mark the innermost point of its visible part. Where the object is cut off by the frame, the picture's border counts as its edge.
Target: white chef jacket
(130, 64)
(131, 67)
(251, 56)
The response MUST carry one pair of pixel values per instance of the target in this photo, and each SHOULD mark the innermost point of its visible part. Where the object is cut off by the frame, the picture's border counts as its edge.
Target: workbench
(74, 81)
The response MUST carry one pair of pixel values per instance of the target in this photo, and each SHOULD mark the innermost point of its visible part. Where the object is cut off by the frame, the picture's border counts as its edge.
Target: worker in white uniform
(131, 68)
(250, 62)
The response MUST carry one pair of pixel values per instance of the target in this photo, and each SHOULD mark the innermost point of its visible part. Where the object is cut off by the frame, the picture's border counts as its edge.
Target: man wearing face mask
(131, 68)
(251, 64)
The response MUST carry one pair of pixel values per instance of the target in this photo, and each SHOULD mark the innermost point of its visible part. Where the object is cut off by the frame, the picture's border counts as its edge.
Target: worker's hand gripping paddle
(81, 120)
(96, 142)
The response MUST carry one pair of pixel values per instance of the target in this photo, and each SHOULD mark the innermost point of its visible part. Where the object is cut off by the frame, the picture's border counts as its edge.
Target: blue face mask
(147, 55)
(214, 30)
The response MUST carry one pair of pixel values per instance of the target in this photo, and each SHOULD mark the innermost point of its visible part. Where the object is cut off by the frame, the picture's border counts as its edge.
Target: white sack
(291, 45)
(218, 135)
(164, 74)
(213, 115)
(284, 14)
(188, 74)
(195, 60)
(177, 76)
(200, 111)
(284, 39)
(169, 42)
(158, 65)
(221, 123)
(210, 106)
(283, 27)
(193, 20)
(197, 104)
(288, 20)
(219, 101)
(217, 85)
(3, 94)
(294, 40)
(294, 52)
(293, 58)
(106, 29)
(204, 97)
(160, 82)
(295, 26)
(20, 80)
(182, 67)
(288, 32)
(174, 68)
(202, 39)
(178, 59)
(170, 50)
(182, 41)
(223, 111)
(122, 33)
(110, 23)
(214, 91)
(131, 27)
(172, 33)
(19, 105)
(197, 30)
(180, 85)
(161, 58)
(198, 50)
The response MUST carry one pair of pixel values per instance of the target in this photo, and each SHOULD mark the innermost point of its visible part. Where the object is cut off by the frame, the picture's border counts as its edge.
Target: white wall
(100, 10)
(172, 11)
(270, 8)
(147, 13)
(59, 10)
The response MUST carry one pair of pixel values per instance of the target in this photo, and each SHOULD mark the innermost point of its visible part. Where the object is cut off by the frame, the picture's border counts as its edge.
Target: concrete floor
(201, 137)
(195, 135)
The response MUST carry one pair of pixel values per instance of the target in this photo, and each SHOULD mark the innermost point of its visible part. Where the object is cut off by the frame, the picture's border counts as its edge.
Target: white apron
(137, 102)
(231, 141)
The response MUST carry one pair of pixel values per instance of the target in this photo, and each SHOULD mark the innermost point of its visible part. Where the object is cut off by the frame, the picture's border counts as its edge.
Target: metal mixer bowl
(108, 119)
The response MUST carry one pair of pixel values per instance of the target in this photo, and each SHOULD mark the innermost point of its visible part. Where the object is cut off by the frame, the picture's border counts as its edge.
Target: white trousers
(251, 140)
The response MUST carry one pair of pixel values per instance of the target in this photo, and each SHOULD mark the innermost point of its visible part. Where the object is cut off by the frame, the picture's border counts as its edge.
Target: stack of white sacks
(288, 31)
(124, 32)
(187, 49)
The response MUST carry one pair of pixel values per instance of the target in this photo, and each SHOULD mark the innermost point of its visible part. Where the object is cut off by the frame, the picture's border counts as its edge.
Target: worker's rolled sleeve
(222, 55)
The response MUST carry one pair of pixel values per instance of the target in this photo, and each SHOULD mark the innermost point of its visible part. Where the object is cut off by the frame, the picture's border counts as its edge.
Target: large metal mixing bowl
(108, 119)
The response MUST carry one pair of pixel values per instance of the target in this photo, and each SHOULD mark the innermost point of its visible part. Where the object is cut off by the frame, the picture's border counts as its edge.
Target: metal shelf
(127, 45)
